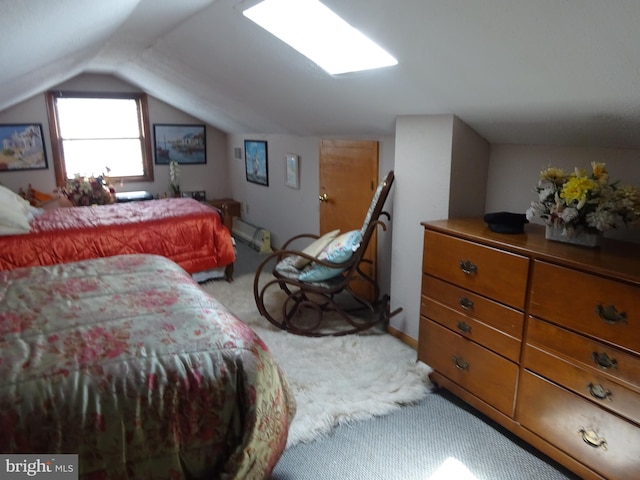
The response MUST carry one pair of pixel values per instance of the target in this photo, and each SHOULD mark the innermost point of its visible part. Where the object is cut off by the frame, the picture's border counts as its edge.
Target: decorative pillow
(339, 250)
(10, 198)
(315, 248)
(13, 220)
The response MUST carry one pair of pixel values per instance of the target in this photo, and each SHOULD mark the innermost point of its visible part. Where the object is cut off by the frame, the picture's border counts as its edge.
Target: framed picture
(22, 147)
(292, 175)
(186, 144)
(256, 161)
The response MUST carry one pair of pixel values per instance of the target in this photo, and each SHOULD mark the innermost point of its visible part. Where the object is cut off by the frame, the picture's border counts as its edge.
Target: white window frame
(60, 168)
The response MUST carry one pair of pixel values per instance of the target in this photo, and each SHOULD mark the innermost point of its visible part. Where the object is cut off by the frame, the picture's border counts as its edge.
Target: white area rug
(336, 380)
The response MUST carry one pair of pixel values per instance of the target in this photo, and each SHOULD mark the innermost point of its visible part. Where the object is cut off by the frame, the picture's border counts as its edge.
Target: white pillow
(13, 220)
(315, 248)
(8, 197)
(34, 212)
(4, 230)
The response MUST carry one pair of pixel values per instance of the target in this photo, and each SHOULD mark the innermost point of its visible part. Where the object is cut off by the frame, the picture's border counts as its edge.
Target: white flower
(569, 214)
(602, 220)
(546, 192)
(174, 175)
(536, 210)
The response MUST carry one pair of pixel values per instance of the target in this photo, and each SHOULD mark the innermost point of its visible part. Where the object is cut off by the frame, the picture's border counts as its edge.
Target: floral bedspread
(186, 231)
(128, 363)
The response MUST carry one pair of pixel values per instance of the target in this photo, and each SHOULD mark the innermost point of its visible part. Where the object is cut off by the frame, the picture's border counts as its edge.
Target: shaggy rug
(336, 380)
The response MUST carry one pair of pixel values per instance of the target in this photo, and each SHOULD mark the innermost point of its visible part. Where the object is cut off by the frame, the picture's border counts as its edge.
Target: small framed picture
(22, 147)
(256, 162)
(292, 173)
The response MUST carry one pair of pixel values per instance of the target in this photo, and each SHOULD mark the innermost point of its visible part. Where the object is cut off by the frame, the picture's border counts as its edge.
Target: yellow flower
(555, 175)
(576, 189)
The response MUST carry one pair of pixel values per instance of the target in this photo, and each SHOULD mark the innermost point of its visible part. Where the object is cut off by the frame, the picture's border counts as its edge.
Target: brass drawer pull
(468, 267)
(603, 360)
(465, 303)
(599, 392)
(464, 327)
(592, 439)
(610, 314)
(460, 363)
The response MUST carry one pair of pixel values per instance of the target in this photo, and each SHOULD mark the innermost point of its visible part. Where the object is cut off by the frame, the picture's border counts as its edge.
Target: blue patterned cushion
(339, 250)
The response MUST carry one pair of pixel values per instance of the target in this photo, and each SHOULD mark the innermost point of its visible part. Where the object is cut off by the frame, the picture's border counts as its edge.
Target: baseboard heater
(258, 238)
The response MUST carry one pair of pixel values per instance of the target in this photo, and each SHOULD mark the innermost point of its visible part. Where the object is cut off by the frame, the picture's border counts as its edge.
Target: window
(91, 132)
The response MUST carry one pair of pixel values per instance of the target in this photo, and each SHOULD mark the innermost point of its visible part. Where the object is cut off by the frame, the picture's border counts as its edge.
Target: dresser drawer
(599, 389)
(493, 273)
(491, 324)
(595, 356)
(593, 436)
(587, 304)
(478, 370)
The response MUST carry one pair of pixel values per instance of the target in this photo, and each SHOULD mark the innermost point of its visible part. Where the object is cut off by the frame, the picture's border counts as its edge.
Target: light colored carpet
(336, 380)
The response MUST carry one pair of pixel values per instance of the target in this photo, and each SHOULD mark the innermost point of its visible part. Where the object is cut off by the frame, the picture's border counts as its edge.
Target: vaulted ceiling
(518, 71)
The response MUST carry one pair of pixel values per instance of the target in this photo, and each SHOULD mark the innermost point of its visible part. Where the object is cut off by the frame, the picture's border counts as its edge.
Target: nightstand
(230, 208)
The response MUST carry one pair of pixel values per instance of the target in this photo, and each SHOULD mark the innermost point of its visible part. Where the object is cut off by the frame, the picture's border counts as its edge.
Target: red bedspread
(186, 231)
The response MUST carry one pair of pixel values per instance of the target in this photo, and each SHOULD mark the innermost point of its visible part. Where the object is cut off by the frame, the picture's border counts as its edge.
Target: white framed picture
(292, 171)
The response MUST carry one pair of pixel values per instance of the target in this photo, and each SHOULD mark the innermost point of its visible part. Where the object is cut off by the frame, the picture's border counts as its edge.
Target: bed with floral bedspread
(126, 362)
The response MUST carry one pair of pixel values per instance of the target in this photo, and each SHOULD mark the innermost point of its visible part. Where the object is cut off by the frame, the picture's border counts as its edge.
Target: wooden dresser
(542, 337)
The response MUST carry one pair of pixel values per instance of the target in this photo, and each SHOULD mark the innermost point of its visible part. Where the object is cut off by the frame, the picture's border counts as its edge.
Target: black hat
(506, 222)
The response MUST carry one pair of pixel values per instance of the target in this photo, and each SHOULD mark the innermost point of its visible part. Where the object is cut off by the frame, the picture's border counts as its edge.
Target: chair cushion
(339, 250)
(315, 248)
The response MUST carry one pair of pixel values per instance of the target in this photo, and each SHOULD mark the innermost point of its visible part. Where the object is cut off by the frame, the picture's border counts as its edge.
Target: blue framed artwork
(22, 147)
(186, 144)
(256, 162)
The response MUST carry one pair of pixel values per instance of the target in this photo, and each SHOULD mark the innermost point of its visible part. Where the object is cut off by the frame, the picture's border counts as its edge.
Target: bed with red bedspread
(186, 231)
(128, 363)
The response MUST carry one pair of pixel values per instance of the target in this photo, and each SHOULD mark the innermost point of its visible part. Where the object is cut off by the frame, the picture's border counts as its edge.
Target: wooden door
(348, 180)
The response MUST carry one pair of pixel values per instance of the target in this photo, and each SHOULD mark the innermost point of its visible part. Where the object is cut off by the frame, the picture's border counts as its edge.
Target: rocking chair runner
(318, 296)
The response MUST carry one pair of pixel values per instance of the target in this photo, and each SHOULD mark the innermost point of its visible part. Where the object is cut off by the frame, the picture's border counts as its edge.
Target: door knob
(323, 198)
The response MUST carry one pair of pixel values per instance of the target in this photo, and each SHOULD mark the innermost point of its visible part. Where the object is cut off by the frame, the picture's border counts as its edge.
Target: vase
(580, 237)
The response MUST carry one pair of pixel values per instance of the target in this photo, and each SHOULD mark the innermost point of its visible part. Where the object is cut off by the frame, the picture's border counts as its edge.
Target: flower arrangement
(82, 191)
(174, 178)
(584, 202)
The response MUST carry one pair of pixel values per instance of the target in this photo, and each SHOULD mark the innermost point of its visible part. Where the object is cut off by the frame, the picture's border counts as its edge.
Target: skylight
(318, 33)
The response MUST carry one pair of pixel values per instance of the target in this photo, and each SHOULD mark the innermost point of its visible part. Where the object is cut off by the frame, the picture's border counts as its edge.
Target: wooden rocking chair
(316, 282)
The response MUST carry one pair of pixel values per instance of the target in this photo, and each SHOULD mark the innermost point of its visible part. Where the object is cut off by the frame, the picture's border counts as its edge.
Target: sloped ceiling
(518, 71)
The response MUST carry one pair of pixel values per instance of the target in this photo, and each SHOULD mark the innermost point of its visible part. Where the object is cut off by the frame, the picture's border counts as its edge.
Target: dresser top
(613, 258)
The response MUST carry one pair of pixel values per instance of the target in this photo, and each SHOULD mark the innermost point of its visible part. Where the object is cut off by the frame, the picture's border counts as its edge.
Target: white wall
(211, 177)
(514, 171)
(469, 171)
(421, 192)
